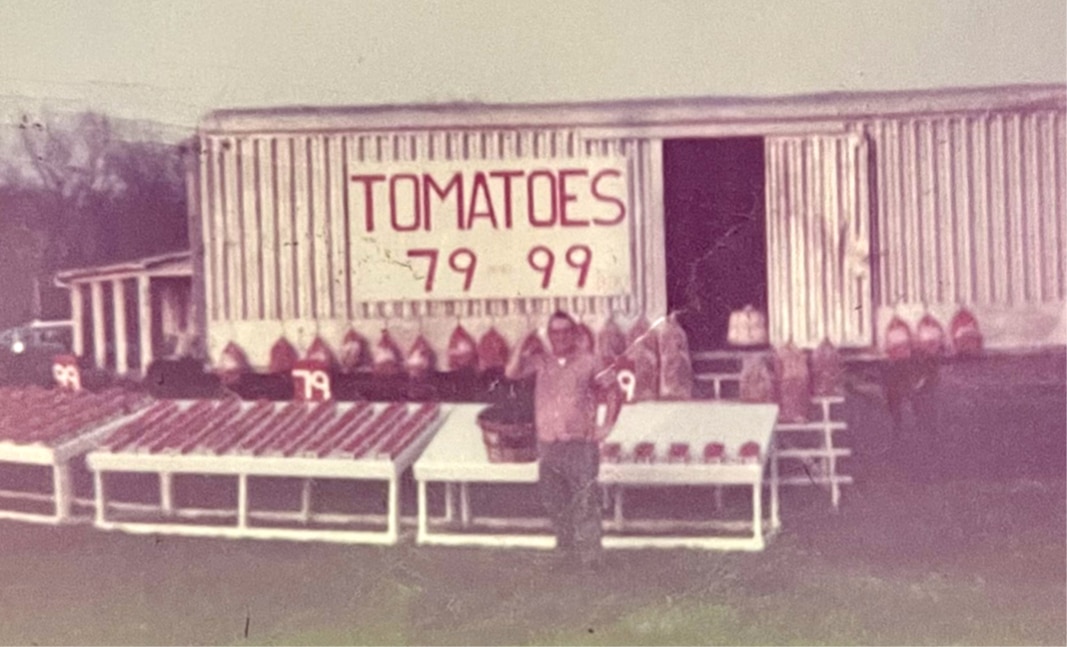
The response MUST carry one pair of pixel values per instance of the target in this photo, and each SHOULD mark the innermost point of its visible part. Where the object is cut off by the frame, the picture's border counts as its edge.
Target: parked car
(26, 351)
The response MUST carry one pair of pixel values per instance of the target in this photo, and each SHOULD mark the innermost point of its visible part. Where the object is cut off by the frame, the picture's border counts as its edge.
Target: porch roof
(172, 264)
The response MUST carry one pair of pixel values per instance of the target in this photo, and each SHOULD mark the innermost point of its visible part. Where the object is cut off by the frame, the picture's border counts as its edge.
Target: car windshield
(56, 336)
(30, 336)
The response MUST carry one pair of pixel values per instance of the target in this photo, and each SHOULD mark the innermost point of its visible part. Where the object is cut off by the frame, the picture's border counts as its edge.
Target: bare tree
(92, 192)
(71, 166)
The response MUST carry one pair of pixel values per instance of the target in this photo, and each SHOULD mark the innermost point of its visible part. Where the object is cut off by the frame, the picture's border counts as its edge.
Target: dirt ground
(1004, 416)
(958, 541)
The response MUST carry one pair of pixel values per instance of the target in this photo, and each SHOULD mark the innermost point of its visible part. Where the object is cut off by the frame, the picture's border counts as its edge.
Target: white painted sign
(455, 230)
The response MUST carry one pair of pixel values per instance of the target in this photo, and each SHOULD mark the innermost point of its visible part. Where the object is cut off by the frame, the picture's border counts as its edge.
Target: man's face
(563, 335)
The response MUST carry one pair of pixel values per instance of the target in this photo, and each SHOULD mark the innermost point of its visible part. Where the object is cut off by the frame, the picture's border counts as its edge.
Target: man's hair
(559, 315)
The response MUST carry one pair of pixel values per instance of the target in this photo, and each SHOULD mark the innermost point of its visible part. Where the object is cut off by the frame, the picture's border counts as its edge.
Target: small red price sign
(311, 381)
(66, 373)
(626, 377)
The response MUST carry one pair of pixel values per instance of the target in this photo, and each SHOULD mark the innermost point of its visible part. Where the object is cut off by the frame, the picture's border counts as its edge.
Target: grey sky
(172, 61)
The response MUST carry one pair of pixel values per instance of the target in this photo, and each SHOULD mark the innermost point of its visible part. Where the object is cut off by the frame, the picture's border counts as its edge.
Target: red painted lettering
(480, 189)
(531, 206)
(565, 197)
(393, 211)
(507, 176)
(467, 268)
(368, 197)
(621, 214)
(454, 184)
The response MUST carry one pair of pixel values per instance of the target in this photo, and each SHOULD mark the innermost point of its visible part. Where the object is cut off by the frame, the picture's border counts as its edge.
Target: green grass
(956, 563)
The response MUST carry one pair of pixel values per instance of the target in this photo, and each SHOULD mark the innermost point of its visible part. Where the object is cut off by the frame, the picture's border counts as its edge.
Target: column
(144, 320)
(96, 292)
(77, 311)
(118, 303)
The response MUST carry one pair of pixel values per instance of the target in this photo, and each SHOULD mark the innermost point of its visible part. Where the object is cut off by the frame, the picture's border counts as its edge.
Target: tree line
(82, 190)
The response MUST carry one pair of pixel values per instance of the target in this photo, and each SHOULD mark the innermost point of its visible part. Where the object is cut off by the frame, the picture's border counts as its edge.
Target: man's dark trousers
(568, 479)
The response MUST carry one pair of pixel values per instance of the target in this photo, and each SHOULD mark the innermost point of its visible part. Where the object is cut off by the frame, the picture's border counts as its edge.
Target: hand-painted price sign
(66, 373)
(311, 381)
(540, 258)
(473, 229)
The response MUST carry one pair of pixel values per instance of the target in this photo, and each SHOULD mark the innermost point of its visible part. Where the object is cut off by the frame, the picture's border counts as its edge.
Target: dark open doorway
(715, 233)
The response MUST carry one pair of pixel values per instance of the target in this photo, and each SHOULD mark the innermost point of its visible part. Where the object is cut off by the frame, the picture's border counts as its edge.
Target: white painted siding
(969, 211)
(818, 233)
(970, 208)
(278, 231)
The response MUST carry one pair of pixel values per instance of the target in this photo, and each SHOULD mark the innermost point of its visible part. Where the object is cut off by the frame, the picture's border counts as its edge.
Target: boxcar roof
(636, 112)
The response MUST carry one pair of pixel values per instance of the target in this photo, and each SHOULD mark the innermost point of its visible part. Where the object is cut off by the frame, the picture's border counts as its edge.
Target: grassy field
(951, 563)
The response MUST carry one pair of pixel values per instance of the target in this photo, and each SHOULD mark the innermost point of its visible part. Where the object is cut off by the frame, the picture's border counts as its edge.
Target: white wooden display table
(47, 429)
(457, 457)
(810, 445)
(301, 440)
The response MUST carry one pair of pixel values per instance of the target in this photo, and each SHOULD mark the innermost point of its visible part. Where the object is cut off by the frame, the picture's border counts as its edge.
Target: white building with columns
(127, 314)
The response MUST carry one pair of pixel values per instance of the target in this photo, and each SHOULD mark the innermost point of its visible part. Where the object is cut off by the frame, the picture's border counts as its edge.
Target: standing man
(566, 394)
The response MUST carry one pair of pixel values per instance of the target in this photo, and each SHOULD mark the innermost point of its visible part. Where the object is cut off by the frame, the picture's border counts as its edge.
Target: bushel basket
(508, 433)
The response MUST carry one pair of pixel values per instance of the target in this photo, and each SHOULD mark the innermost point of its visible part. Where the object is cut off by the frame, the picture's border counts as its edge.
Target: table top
(325, 439)
(457, 452)
(53, 417)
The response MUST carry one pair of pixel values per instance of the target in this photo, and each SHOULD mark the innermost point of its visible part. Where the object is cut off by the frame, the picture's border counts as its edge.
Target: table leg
(830, 463)
(422, 512)
(618, 509)
(166, 493)
(831, 473)
(450, 502)
(62, 490)
(101, 501)
(775, 521)
(242, 501)
(464, 505)
(757, 511)
(393, 530)
(305, 501)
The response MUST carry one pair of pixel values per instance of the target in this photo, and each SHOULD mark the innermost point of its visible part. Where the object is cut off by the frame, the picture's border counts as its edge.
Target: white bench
(810, 444)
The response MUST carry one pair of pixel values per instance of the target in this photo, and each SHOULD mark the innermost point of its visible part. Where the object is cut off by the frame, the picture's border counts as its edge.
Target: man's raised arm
(522, 366)
(606, 383)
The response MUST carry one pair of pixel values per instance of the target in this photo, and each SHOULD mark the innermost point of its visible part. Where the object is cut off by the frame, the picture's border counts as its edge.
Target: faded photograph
(598, 322)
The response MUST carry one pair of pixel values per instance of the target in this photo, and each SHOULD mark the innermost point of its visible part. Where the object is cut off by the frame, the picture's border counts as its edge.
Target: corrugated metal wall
(930, 211)
(276, 230)
(963, 210)
(818, 240)
(970, 209)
